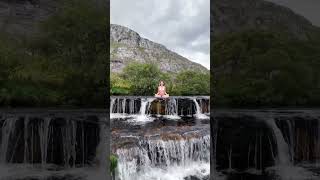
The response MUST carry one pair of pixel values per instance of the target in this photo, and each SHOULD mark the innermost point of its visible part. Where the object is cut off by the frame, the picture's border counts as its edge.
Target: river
(48, 144)
(268, 144)
(161, 139)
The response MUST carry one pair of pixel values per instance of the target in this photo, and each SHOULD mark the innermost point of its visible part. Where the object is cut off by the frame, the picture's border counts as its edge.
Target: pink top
(161, 90)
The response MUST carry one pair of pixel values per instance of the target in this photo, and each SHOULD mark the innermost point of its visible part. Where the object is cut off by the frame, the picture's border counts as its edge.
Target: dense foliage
(143, 79)
(265, 69)
(64, 65)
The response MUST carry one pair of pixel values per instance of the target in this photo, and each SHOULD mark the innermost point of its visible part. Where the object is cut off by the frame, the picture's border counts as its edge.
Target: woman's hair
(162, 82)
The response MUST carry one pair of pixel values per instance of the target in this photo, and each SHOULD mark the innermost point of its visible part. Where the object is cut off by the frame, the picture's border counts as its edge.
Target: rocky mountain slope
(128, 46)
(240, 15)
(263, 55)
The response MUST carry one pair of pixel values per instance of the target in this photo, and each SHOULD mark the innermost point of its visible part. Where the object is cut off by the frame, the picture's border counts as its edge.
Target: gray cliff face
(128, 46)
(240, 15)
(20, 17)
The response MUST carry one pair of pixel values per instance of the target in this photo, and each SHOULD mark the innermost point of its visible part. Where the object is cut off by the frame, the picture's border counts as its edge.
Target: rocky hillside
(264, 55)
(128, 46)
(240, 15)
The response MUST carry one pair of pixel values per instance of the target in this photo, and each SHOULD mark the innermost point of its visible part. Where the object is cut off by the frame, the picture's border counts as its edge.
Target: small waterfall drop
(44, 136)
(112, 105)
(144, 108)
(291, 136)
(199, 113)
(282, 146)
(8, 128)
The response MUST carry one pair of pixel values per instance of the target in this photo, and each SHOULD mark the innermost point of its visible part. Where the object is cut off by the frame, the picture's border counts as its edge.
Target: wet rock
(196, 178)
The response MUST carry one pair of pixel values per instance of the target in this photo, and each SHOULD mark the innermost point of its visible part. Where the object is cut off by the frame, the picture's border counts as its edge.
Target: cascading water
(171, 108)
(282, 146)
(44, 136)
(144, 108)
(112, 104)
(170, 144)
(34, 145)
(275, 144)
(290, 138)
(199, 113)
(152, 158)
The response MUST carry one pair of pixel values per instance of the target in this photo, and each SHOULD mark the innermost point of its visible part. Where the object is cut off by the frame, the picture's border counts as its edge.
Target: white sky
(183, 26)
(310, 9)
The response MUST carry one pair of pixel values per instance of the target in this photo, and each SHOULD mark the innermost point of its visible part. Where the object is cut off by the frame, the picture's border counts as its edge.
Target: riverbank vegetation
(64, 65)
(143, 79)
(256, 68)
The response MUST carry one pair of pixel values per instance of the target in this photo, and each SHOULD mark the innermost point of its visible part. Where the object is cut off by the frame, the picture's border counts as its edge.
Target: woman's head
(161, 83)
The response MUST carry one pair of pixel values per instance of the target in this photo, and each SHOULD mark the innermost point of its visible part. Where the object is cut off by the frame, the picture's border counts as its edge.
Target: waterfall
(112, 104)
(282, 146)
(144, 161)
(44, 140)
(159, 154)
(8, 129)
(145, 105)
(171, 108)
(199, 113)
(127, 106)
(214, 136)
(69, 142)
(124, 105)
(26, 122)
(44, 137)
(291, 136)
(54, 145)
(102, 150)
(230, 158)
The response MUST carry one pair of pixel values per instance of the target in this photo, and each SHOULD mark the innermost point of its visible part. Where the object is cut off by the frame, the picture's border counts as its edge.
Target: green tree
(143, 78)
(192, 83)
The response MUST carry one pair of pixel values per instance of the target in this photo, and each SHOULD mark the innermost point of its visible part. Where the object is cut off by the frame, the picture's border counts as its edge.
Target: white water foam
(165, 160)
(282, 146)
(199, 114)
(196, 169)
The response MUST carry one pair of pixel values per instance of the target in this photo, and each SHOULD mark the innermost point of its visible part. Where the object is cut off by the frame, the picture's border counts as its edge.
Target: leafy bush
(113, 164)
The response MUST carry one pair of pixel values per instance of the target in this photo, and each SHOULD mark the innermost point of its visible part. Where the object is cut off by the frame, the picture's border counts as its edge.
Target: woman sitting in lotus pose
(162, 91)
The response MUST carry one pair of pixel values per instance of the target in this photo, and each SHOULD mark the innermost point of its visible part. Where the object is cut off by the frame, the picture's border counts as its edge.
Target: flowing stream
(275, 144)
(52, 144)
(163, 139)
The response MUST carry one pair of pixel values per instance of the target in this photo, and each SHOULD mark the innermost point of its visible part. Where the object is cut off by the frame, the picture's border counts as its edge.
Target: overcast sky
(307, 8)
(183, 26)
